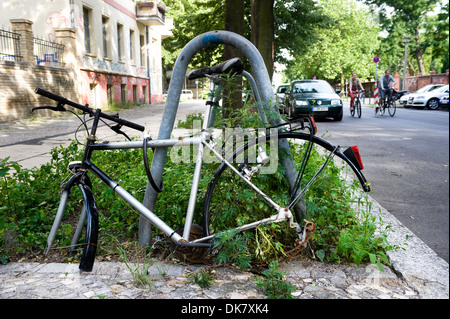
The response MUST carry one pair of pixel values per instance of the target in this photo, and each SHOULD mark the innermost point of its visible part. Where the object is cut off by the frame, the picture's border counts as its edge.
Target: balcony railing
(151, 13)
(48, 53)
(9, 46)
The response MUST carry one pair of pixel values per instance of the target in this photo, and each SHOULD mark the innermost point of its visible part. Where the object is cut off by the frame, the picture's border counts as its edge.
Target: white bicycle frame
(204, 141)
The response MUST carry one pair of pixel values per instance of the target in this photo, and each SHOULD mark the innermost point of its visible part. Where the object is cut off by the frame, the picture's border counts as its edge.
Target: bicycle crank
(193, 255)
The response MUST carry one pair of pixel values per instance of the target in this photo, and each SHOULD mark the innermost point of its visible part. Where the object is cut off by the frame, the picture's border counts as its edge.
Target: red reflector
(352, 154)
(314, 124)
(358, 157)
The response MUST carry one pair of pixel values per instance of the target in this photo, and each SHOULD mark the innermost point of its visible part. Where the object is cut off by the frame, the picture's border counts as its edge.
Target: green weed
(201, 277)
(274, 285)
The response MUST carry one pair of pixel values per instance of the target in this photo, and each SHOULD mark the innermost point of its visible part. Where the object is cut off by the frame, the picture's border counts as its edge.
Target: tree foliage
(190, 19)
(326, 39)
(428, 32)
(347, 46)
(296, 27)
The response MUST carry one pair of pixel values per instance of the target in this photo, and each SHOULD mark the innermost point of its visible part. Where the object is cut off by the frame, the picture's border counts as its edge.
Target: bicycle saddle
(232, 66)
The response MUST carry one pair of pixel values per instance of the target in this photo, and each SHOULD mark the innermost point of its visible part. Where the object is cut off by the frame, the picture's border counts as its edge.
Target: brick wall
(18, 80)
(413, 83)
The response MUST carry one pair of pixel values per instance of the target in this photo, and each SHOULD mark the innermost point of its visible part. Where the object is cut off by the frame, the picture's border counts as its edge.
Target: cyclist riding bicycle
(353, 86)
(386, 86)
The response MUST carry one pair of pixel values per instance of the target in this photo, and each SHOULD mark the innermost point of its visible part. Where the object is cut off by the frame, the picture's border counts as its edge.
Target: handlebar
(63, 101)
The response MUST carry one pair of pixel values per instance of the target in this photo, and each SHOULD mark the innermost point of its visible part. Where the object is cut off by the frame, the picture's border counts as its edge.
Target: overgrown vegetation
(345, 232)
(29, 200)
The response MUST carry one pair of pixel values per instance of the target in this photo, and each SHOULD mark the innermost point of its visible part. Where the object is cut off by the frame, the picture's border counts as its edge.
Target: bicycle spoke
(308, 184)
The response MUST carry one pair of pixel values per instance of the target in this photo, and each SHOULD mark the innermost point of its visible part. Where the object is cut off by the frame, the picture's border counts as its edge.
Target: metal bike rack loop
(200, 42)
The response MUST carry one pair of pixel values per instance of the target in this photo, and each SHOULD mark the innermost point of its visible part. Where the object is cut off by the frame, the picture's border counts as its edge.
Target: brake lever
(116, 128)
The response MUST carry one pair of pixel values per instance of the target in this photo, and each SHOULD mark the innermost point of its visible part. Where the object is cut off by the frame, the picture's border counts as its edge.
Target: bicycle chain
(310, 228)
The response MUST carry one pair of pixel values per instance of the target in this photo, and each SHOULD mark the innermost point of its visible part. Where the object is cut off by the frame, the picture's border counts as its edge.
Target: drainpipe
(72, 14)
(148, 67)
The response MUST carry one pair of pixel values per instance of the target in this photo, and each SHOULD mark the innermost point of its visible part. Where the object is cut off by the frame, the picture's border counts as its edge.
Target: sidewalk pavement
(416, 272)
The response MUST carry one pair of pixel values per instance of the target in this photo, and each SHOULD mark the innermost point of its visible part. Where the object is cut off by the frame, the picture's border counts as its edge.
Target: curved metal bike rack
(200, 42)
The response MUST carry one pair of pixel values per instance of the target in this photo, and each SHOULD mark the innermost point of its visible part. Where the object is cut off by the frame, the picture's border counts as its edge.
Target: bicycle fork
(88, 216)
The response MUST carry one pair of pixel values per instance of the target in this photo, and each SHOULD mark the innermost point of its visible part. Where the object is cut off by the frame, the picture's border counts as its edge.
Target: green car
(312, 97)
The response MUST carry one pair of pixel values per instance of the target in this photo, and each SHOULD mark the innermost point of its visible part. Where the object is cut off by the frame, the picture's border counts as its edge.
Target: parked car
(312, 97)
(281, 90)
(423, 97)
(429, 99)
(186, 95)
(404, 99)
(443, 102)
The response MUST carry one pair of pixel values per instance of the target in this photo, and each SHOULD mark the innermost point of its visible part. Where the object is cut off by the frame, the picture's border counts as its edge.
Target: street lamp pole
(406, 40)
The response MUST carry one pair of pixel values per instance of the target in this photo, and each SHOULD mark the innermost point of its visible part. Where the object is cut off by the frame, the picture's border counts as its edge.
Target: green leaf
(320, 254)
(373, 258)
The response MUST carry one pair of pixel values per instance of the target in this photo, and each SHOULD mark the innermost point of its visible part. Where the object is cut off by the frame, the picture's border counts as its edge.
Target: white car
(281, 90)
(404, 99)
(429, 99)
(443, 102)
(186, 95)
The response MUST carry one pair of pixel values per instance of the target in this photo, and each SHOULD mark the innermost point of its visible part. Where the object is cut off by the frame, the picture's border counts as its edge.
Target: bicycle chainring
(193, 255)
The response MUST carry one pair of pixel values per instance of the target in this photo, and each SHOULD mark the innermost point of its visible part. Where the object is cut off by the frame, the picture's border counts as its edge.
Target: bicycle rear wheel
(231, 202)
(358, 108)
(392, 108)
(352, 109)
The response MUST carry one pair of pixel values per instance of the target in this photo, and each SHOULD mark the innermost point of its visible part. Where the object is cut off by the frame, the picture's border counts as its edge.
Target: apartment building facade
(113, 47)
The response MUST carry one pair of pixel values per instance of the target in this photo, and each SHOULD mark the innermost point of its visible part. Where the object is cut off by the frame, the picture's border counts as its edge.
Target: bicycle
(356, 103)
(246, 165)
(388, 102)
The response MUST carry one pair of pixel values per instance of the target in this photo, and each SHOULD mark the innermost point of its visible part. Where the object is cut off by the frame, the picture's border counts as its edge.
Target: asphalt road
(406, 160)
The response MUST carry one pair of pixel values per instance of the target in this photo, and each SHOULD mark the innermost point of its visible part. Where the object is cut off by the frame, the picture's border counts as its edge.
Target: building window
(119, 41)
(123, 92)
(144, 90)
(93, 87)
(142, 45)
(109, 93)
(87, 33)
(135, 94)
(105, 22)
(131, 45)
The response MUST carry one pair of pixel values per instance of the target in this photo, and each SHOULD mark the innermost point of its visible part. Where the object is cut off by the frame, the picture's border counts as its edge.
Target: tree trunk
(411, 68)
(419, 57)
(234, 22)
(262, 23)
(419, 53)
